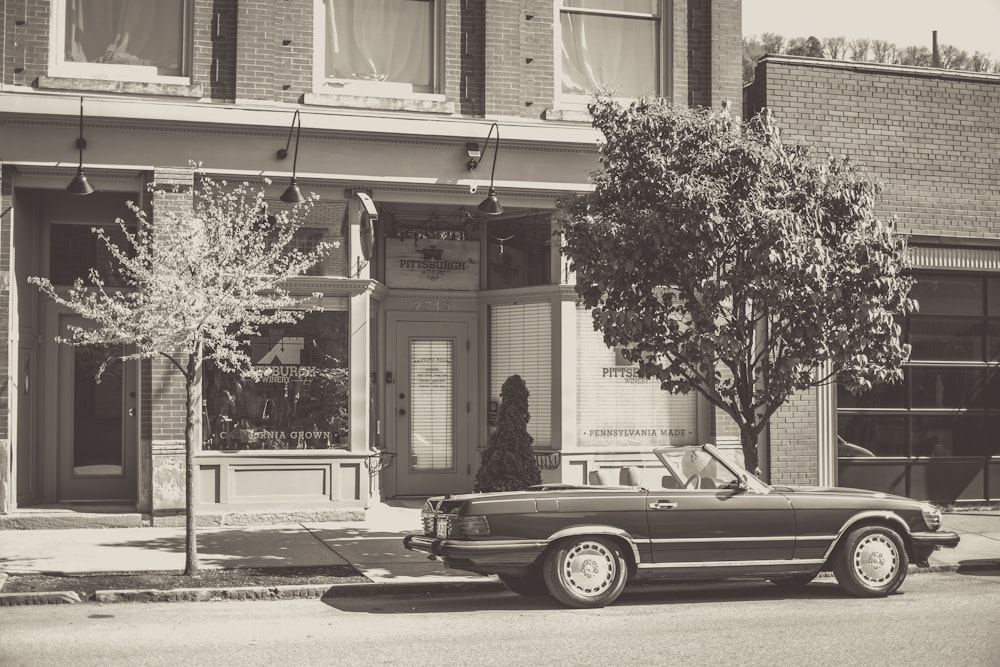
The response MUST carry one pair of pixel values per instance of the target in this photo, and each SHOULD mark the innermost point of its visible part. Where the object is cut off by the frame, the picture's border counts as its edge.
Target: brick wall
(214, 54)
(793, 437)
(499, 56)
(25, 25)
(932, 136)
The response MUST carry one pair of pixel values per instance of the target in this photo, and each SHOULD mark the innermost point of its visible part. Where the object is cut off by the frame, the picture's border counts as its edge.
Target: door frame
(52, 426)
(396, 326)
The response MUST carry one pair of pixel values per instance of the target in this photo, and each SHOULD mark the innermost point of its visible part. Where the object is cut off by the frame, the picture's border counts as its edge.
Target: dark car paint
(752, 530)
(678, 533)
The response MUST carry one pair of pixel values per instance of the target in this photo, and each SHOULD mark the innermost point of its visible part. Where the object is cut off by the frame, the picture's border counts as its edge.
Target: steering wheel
(693, 482)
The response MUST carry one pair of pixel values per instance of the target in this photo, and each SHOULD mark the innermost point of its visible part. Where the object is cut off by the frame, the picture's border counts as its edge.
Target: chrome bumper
(478, 556)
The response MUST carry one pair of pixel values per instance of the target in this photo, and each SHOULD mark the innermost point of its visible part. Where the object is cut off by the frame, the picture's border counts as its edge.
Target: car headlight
(932, 516)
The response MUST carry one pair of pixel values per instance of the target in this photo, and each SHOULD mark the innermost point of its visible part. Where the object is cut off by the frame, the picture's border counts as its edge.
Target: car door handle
(662, 505)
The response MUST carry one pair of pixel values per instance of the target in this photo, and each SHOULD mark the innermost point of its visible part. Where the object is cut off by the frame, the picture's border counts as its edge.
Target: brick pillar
(255, 51)
(163, 393)
(7, 488)
(727, 55)
(503, 57)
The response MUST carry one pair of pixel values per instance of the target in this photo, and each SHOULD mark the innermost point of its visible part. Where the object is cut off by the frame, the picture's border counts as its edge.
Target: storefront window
(518, 252)
(302, 400)
(950, 395)
(75, 248)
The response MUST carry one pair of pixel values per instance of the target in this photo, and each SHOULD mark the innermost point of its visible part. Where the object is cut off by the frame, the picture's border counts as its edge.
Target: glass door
(97, 431)
(432, 396)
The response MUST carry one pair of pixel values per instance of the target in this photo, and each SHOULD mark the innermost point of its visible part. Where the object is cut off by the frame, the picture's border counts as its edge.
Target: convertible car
(693, 515)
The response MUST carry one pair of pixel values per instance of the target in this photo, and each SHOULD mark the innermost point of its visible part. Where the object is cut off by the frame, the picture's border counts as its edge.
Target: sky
(970, 25)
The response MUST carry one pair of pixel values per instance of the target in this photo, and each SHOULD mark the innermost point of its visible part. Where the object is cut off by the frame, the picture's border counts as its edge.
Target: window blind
(432, 401)
(521, 344)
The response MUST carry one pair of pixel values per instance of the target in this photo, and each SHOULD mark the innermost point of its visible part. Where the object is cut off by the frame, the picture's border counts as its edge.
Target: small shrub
(508, 463)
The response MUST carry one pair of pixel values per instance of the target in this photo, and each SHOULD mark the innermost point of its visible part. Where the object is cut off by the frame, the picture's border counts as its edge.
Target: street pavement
(373, 547)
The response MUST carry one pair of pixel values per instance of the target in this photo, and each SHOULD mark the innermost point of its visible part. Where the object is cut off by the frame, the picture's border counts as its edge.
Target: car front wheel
(531, 584)
(871, 562)
(585, 572)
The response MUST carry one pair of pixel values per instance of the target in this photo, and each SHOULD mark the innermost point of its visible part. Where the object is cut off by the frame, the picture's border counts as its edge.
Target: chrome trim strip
(731, 563)
(873, 514)
(682, 540)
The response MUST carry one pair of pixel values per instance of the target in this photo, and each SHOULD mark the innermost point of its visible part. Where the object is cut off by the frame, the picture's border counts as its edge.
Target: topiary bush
(508, 463)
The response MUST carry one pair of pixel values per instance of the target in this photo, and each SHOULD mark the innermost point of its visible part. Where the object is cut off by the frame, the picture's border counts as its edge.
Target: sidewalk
(373, 547)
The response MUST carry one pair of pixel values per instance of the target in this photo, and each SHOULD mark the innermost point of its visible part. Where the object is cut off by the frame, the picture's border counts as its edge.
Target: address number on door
(431, 306)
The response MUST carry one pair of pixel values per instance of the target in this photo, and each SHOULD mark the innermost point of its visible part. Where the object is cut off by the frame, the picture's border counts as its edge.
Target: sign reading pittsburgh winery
(432, 264)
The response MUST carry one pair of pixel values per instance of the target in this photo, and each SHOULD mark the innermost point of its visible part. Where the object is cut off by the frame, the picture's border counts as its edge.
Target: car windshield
(697, 467)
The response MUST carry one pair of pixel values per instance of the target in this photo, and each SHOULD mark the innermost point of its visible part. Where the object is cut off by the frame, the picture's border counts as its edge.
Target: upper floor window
(132, 40)
(616, 43)
(387, 42)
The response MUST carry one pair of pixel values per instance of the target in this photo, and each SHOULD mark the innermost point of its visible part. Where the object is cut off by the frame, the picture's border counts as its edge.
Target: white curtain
(126, 32)
(380, 40)
(608, 50)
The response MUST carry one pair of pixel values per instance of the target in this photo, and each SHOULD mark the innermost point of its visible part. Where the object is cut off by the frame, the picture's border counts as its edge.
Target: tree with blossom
(195, 286)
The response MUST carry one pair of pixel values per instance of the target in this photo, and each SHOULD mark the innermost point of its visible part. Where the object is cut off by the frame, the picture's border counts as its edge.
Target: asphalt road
(938, 619)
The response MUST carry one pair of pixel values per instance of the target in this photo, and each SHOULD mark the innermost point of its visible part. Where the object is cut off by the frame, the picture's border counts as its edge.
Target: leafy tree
(728, 262)
(197, 286)
(808, 46)
(508, 463)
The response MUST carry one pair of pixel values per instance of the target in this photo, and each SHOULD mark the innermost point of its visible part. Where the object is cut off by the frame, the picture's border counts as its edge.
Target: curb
(253, 593)
(50, 597)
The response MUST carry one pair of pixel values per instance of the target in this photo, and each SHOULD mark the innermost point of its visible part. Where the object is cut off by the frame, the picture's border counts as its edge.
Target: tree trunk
(751, 460)
(191, 407)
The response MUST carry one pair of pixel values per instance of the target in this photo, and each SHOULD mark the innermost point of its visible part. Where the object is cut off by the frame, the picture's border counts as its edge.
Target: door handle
(662, 505)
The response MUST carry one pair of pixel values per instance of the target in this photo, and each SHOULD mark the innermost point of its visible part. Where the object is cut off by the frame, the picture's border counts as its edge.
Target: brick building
(427, 306)
(933, 138)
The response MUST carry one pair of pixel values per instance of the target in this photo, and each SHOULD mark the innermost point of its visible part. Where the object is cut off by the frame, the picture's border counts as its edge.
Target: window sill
(126, 87)
(568, 115)
(381, 103)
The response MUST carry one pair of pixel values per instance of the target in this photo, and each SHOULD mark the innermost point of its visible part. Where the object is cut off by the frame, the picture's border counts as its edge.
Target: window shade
(432, 401)
(521, 344)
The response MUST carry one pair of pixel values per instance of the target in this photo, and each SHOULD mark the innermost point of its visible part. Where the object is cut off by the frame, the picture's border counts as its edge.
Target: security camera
(369, 205)
(472, 188)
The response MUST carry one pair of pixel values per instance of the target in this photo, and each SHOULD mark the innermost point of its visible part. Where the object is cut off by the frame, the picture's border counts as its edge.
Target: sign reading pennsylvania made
(432, 264)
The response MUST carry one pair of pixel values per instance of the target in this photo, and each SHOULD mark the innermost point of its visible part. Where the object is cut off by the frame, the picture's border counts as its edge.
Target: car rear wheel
(871, 562)
(531, 584)
(585, 572)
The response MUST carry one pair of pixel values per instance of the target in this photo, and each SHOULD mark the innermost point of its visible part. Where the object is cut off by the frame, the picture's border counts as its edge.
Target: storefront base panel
(271, 481)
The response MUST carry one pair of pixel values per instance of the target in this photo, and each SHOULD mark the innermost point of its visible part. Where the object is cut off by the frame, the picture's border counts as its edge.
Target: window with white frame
(131, 40)
(388, 44)
(615, 43)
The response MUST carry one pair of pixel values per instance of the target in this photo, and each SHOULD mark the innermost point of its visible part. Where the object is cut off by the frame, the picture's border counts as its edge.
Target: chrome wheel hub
(589, 568)
(876, 560)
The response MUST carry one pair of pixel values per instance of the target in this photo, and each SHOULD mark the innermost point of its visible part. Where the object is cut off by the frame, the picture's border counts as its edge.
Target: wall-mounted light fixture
(80, 185)
(490, 205)
(292, 194)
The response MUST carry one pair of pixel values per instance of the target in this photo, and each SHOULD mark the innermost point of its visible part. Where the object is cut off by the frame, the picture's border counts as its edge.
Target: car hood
(839, 491)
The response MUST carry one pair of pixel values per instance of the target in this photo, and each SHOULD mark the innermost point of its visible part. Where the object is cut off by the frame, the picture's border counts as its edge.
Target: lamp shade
(79, 185)
(491, 205)
(292, 194)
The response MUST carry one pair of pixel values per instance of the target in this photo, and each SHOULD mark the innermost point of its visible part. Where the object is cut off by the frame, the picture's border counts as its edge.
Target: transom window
(121, 39)
(615, 43)
(388, 42)
(949, 401)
